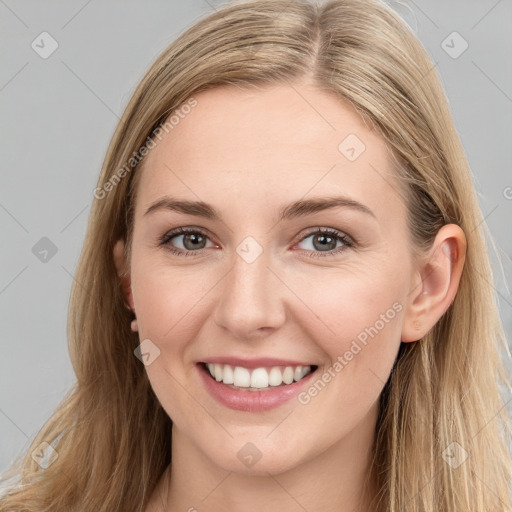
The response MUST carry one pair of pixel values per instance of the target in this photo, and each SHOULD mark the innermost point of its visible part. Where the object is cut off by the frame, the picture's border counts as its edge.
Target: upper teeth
(257, 378)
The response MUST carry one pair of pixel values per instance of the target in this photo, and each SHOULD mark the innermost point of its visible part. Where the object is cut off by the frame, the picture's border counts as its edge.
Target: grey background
(59, 113)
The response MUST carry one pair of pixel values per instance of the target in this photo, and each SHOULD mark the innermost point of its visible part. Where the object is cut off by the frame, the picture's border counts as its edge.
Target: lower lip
(251, 401)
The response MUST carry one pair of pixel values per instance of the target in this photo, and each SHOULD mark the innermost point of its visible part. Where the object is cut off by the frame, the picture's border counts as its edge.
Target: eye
(323, 242)
(193, 240)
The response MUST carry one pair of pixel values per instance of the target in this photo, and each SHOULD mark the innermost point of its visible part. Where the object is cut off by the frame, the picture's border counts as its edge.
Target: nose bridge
(251, 295)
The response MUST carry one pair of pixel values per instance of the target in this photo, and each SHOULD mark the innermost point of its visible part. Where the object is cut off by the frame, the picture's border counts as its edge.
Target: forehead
(260, 145)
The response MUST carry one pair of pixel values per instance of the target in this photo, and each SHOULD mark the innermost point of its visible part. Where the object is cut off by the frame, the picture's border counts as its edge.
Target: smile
(257, 379)
(256, 385)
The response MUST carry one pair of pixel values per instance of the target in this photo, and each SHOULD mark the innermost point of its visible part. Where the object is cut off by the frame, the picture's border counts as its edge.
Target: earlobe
(437, 282)
(123, 273)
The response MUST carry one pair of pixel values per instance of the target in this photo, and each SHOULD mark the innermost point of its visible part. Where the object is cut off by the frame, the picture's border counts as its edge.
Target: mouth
(261, 379)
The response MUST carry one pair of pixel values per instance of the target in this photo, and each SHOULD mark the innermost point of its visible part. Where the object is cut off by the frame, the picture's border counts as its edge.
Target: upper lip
(254, 363)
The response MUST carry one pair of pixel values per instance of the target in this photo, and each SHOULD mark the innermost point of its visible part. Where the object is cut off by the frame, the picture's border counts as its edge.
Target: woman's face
(256, 290)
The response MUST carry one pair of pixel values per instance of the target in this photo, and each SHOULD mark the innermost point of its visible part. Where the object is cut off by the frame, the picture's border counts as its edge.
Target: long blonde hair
(443, 395)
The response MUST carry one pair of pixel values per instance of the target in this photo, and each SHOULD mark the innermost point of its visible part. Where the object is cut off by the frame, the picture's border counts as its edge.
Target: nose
(251, 302)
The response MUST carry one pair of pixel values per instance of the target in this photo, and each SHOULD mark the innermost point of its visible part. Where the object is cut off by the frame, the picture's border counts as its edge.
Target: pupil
(194, 237)
(324, 241)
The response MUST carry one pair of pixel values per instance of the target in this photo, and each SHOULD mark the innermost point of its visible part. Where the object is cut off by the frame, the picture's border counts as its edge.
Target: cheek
(168, 303)
(355, 319)
(340, 306)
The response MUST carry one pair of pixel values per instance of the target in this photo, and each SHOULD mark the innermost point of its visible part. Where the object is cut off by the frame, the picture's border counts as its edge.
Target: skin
(248, 153)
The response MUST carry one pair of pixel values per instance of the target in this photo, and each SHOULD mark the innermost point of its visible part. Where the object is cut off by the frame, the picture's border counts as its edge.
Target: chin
(259, 457)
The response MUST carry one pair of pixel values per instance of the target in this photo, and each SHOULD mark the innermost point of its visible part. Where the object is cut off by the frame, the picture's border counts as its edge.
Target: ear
(437, 278)
(123, 272)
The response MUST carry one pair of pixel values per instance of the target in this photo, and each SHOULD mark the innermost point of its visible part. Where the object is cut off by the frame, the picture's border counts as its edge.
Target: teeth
(228, 375)
(241, 376)
(275, 377)
(288, 375)
(259, 378)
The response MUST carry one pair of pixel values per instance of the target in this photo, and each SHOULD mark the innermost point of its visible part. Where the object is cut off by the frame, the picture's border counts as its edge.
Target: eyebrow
(299, 208)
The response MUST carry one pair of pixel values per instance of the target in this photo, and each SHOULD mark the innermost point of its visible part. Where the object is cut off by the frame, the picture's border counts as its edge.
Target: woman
(284, 297)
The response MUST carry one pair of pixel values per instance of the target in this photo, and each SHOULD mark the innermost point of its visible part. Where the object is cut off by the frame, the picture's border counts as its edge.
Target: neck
(339, 479)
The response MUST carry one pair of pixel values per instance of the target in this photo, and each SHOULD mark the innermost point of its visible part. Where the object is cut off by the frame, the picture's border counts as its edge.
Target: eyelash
(347, 241)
